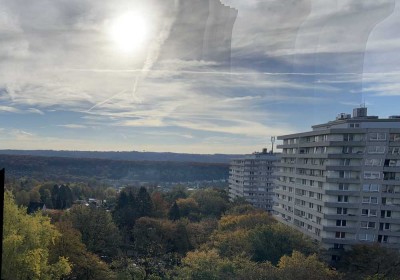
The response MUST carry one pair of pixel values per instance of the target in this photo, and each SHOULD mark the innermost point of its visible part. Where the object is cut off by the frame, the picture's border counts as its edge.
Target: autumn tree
(298, 266)
(156, 237)
(85, 265)
(26, 242)
(270, 243)
(189, 208)
(160, 206)
(373, 261)
(176, 193)
(99, 233)
(211, 202)
(200, 265)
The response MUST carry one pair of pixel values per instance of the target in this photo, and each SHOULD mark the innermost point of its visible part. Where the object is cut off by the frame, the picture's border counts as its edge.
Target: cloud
(35, 111)
(72, 126)
(9, 109)
(291, 56)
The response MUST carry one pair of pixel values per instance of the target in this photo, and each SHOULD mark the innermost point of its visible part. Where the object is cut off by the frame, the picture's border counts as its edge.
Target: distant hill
(82, 169)
(132, 156)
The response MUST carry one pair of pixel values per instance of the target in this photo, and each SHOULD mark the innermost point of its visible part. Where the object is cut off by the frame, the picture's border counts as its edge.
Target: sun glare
(129, 31)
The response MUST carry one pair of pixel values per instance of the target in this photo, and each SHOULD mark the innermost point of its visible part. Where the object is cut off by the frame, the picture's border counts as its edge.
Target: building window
(376, 149)
(341, 211)
(343, 198)
(348, 137)
(377, 136)
(372, 213)
(386, 214)
(366, 237)
(384, 226)
(370, 199)
(373, 162)
(372, 175)
(371, 187)
(395, 137)
(367, 225)
(347, 150)
(343, 187)
(394, 150)
(338, 246)
(382, 238)
(341, 223)
(340, 234)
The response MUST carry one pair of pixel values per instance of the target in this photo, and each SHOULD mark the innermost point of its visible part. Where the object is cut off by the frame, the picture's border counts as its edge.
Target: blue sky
(205, 76)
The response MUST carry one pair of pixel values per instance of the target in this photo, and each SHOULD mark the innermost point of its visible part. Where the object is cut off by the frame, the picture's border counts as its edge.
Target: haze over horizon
(190, 76)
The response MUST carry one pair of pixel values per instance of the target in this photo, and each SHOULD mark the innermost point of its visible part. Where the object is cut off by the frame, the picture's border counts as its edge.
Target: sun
(128, 32)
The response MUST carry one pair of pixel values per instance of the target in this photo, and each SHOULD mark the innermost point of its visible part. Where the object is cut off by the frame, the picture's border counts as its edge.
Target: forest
(84, 169)
(142, 233)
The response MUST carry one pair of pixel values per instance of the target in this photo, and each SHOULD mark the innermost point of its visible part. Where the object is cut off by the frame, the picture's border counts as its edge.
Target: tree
(144, 203)
(62, 197)
(156, 237)
(372, 261)
(26, 242)
(271, 242)
(298, 266)
(22, 198)
(245, 221)
(160, 206)
(174, 213)
(212, 203)
(176, 193)
(189, 208)
(200, 232)
(45, 197)
(125, 212)
(99, 233)
(34, 195)
(200, 265)
(85, 265)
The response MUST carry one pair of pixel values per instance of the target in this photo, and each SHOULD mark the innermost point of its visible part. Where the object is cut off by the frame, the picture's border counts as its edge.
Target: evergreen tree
(125, 212)
(174, 213)
(144, 204)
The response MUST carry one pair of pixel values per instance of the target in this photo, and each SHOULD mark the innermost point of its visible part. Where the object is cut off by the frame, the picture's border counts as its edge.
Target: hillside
(70, 169)
(134, 155)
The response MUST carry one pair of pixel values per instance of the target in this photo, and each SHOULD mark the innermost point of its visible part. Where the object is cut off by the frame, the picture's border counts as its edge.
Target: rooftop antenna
(272, 141)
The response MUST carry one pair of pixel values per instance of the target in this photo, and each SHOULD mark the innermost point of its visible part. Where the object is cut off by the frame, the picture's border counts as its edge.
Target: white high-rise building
(340, 182)
(251, 177)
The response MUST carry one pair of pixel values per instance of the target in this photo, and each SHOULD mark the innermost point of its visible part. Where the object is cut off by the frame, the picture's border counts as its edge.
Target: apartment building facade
(340, 182)
(251, 177)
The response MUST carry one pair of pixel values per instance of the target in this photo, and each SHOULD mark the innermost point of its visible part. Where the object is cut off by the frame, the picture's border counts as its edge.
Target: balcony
(348, 217)
(342, 204)
(342, 192)
(342, 229)
(346, 241)
(343, 180)
(343, 167)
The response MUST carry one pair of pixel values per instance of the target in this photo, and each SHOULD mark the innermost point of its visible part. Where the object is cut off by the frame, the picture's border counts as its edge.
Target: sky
(190, 76)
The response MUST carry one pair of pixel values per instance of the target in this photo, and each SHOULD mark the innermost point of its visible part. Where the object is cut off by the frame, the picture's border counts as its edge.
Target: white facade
(251, 177)
(340, 182)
